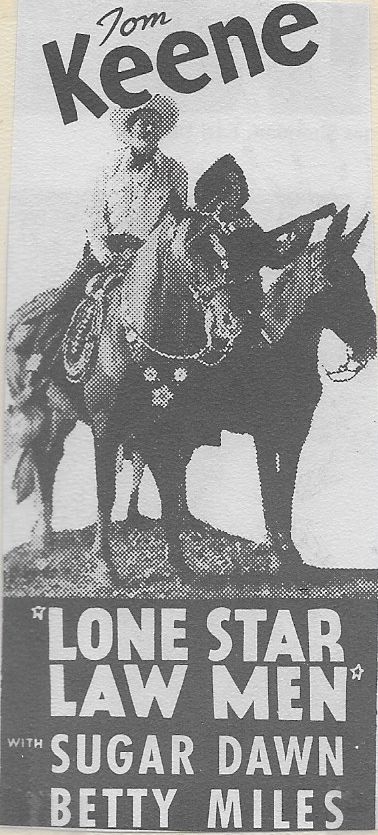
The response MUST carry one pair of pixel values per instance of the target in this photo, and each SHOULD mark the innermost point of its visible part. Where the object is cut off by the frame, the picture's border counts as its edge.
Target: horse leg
(167, 466)
(134, 518)
(100, 397)
(106, 445)
(182, 460)
(266, 461)
(46, 464)
(185, 517)
(278, 459)
(42, 533)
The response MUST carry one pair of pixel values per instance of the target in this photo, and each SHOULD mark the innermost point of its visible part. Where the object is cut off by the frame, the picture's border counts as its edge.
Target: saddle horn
(351, 240)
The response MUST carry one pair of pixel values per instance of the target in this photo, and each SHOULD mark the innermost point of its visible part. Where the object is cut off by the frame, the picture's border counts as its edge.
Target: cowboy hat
(163, 109)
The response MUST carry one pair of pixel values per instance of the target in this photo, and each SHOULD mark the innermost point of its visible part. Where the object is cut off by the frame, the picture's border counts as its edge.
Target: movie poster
(190, 534)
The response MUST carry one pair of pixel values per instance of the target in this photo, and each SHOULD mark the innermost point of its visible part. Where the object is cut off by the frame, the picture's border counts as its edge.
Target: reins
(183, 357)
(197, 297)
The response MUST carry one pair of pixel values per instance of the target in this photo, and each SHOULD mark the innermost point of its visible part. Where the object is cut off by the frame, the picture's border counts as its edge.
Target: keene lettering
(273, 32)
(111, 76)
(68, 84)
(238, 27)
(167, 62)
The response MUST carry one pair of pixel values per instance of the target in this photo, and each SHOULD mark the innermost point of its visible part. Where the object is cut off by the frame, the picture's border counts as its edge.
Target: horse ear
(351, 240)
(337, 226)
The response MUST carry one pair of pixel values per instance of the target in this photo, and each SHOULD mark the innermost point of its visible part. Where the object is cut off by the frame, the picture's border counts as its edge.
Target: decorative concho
(150, 374)
(180, 374)
(161, 396)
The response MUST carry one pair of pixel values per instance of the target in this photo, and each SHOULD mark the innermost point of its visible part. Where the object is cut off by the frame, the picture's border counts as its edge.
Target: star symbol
(38, 612)
(150, 374)
(357, 672)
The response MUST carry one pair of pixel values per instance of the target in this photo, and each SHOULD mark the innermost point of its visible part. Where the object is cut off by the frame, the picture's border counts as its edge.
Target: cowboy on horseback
(137, 188)
(137, 197)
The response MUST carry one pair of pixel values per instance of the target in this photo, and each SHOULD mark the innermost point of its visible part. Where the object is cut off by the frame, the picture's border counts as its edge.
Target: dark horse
(268, 387)
(272, 392)
(166, 310)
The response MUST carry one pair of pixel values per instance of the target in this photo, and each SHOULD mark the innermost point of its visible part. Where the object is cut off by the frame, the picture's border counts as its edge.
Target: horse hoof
(292, 568)
(95, 551)
(315, 574)
(114, 578)
(101, 572)
(185, 574)
(101, 553)
(40, 541)
(175, 558)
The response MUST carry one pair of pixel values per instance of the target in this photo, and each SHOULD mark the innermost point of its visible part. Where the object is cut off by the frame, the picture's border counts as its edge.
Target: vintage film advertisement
(190, 536)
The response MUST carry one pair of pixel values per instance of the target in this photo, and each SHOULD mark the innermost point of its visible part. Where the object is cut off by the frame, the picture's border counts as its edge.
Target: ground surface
(222, 566)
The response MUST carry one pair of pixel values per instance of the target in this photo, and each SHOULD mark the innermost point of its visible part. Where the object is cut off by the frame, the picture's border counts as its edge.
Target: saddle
(80, 344)
(81, 341)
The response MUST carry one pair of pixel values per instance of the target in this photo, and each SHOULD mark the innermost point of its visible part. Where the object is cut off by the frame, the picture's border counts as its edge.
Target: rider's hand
(100, 250)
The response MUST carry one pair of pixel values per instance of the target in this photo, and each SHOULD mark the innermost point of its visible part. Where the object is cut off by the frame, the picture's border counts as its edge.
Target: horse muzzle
(355, 362)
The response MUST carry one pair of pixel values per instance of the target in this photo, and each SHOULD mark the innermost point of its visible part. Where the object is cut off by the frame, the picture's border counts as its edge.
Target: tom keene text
(119, 665)
(127, 62)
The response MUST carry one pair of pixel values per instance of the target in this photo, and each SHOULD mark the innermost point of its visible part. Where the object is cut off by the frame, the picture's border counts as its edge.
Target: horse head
(347, 308)
(200, 247)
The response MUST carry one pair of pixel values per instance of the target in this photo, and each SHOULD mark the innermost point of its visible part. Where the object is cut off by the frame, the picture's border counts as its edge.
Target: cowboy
(136, 190)
(137, 200)
(139, 190)
(139, 184)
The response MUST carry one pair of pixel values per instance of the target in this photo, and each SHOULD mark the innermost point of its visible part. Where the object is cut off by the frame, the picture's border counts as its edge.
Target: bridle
(134, 336)
(201, 296)
(344, 368)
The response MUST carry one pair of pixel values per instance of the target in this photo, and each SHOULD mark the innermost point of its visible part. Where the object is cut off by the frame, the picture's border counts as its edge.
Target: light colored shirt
(132, 201)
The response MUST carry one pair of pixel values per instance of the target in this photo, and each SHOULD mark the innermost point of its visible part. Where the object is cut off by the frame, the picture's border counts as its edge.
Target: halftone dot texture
(161, 110)
(168, 277)
(222, 565)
